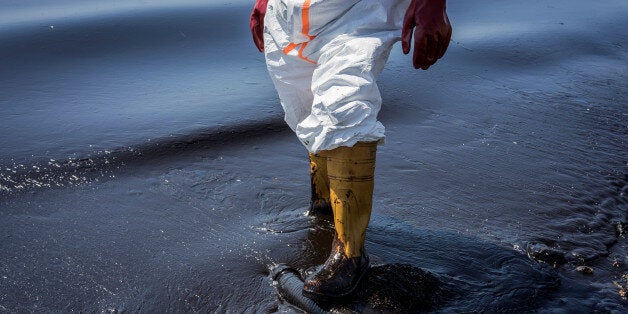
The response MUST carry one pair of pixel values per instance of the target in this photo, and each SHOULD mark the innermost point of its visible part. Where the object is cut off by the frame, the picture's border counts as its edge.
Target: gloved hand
(432, 33)
(257, 23)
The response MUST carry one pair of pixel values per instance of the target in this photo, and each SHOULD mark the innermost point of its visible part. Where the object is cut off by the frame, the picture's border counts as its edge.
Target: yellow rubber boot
(319, 203)
(350, 171)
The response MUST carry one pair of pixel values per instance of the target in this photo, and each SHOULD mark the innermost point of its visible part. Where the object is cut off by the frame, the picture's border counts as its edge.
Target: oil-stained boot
(350, 171)
(338, 277)
(319, 203)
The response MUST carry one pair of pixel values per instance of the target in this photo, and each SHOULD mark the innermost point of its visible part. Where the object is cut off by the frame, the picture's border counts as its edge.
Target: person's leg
(319, 203)
(344, 122)
(306, 84)
(340, 122)
(292, 77)
(343, 126)
(350, 53)
(351, 173)
(346, 97)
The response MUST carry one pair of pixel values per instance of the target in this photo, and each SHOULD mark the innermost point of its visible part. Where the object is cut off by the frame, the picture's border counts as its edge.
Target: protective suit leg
(350, 171)
(293, 79)
(320, 184)
(324, 57)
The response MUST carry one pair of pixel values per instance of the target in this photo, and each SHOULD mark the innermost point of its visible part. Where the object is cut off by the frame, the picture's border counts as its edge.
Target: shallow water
(146, 167)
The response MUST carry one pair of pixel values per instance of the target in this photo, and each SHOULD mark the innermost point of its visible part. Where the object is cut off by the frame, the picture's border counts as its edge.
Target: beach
(146, 167)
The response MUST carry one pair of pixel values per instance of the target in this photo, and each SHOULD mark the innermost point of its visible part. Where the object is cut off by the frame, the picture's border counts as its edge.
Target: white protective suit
(324, 57)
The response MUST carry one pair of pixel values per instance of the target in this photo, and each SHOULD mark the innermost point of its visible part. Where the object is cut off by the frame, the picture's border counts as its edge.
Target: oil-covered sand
(145, 166)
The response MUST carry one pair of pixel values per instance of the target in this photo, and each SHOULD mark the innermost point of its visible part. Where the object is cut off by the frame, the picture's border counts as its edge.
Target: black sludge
(145, 165)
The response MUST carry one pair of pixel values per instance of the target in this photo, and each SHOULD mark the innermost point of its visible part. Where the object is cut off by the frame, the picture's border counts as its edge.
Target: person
(323, 57)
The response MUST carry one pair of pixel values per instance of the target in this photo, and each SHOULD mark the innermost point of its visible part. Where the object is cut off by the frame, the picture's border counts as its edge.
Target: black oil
(145, 166)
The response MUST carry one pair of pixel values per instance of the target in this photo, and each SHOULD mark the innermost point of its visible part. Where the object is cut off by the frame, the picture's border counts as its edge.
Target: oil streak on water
(145, 165)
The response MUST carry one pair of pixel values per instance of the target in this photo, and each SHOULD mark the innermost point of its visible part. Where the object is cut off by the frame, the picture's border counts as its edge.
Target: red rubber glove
(257, 23)
(432, 32)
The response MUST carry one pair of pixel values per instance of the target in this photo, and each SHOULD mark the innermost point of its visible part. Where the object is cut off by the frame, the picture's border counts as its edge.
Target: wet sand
(146, 168)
